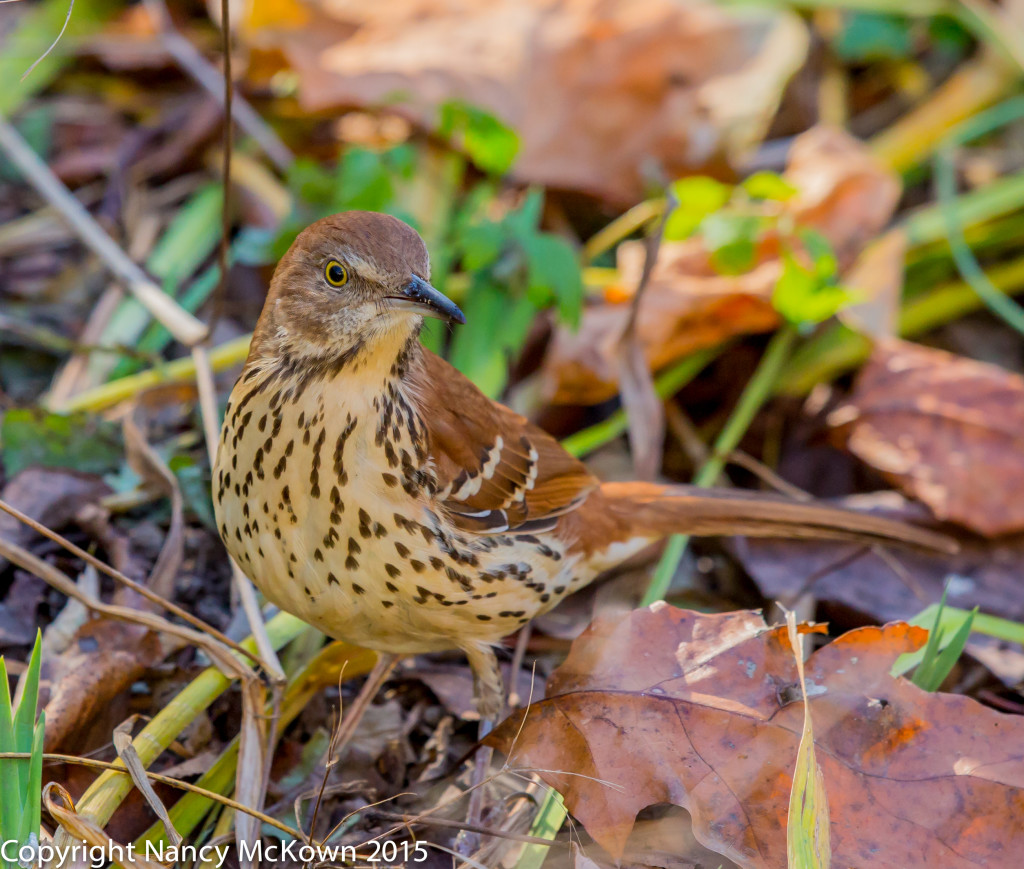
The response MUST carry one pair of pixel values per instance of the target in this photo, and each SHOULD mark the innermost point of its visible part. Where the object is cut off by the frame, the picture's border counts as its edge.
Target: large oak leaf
(703, 711)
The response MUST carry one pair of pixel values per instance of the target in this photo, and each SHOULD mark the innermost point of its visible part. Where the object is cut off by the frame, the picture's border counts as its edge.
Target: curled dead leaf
(82, 829)
(947, 430)
(696, 710)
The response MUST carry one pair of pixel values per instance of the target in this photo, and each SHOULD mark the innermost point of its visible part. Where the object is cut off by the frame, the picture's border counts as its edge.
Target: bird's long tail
(621, 512)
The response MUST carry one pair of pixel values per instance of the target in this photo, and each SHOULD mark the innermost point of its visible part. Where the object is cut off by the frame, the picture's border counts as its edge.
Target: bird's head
(358, 278)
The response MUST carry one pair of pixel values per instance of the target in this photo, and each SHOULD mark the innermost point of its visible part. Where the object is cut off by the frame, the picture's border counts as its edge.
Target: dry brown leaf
(122, 738)
(52, 496)
(599, 93)
(698, 710)
(85, 832)
(886, 586)
(947, 430)
(843, 194)
(103, 662)
(877, 279)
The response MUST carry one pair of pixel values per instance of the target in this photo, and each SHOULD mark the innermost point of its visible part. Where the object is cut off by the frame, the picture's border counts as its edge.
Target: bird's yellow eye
(336, 274)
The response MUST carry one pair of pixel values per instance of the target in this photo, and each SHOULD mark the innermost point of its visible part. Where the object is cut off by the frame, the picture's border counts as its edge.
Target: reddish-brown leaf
(947, 430)
(671, 706)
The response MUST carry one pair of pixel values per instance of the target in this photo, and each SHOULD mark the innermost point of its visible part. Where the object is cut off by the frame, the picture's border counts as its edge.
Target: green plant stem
(546, 824)
(622, 227)
(188, 812)
(757, 391)
(945, 187)
(666, 384)
(837, 348)
(929, 224)
(108, 791)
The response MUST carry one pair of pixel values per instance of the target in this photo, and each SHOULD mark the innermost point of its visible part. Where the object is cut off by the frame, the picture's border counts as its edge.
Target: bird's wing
(496, 471)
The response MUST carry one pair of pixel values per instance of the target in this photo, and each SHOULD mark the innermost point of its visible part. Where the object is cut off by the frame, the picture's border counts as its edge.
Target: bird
(366, 486)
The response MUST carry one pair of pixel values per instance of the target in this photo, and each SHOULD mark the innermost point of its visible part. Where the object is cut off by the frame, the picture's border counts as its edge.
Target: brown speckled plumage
(365, 485)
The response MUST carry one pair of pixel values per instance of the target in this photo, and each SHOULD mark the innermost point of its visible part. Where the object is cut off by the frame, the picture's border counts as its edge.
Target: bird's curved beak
(420, 297)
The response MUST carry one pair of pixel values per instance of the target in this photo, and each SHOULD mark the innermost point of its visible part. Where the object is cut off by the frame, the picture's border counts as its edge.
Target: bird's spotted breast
(332, 515)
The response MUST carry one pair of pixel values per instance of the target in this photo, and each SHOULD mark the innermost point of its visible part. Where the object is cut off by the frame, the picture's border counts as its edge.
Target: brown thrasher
(366, 486)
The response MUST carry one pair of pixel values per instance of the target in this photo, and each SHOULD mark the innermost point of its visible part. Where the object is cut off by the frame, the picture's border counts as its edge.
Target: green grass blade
(8, 769)
(944, 662)
(549, 820)
(952, 620)
(25, 716)
(923, 675)
(31, 818)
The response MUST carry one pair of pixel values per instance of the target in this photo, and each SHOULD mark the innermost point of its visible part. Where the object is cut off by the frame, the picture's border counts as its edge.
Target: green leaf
(801, 296)
(363, 182)
(490, 143)
(819, 248)
(25, 716)
(695, 197)
(731, 239)
(936, 665)
(190, 238)
(31, 818)
(79, 441)
(524, 220)
(554, 275)
(496, 326)
(10, 799)
(874, 36)
(768, 185)
(309, 181)
(481, 245)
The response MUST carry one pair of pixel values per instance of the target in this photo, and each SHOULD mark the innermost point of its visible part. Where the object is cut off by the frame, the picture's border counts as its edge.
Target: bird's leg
(490, 699)
(351, 717)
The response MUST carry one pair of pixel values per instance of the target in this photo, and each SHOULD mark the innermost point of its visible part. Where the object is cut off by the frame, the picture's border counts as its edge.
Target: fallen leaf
(104, 660)
(122, 738)
(49, 495)
(842, 193)
(689, 82)
(83, 829)
(876, 280)
(697, 710)
(947, 430)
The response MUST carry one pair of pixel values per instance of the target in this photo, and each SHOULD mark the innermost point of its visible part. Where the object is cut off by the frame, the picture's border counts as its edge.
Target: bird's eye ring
(336, 274)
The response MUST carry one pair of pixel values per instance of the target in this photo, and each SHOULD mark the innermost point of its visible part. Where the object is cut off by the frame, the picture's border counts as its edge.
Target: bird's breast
(325, 500)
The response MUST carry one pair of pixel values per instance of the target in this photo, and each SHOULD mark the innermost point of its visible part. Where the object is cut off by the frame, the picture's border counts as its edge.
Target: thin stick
(207, 76)
(179, 322)
(113, 573)
(162, 779)
(410, 820)
(53, 45)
